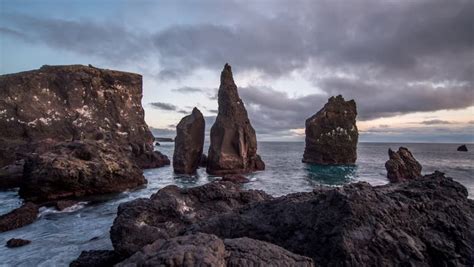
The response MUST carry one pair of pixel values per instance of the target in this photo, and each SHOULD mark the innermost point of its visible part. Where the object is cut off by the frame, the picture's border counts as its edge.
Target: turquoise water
(59, 237)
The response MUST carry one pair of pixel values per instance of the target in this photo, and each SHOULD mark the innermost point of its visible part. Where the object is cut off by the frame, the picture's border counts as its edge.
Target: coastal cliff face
(233, 146)
(331, 134)
(65, 103)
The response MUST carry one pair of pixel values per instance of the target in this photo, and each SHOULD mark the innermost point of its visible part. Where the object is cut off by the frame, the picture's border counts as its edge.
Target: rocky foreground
(426, 221)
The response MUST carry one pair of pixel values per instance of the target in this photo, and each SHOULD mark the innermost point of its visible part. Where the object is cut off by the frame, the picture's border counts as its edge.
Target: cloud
(163, 106)
(435, 122)
(187, 90)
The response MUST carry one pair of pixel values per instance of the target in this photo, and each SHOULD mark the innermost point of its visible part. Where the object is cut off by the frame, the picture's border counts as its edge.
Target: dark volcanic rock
(78, 168)
(235, 178)
(422, 222)
(64, 204)
(208, 250)
(10, 175)
(402, 165)
(462, 148)
(203, 161)
(189, 142)
(168, 212)
(96, 258)
(233, 146)
(19, 217)
(331, 134)
(64, 103)
(17, 242)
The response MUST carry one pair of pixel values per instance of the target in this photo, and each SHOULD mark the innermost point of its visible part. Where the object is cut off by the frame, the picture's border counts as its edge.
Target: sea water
(59, 237)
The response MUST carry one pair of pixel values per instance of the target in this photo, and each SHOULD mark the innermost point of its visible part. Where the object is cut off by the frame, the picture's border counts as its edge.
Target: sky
(409, 65)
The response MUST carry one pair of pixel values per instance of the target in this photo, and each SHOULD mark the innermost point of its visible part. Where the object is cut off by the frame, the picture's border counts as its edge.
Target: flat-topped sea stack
(402, 165)
(331, 134)
(75, 102)
(233, 146)
(189, 142)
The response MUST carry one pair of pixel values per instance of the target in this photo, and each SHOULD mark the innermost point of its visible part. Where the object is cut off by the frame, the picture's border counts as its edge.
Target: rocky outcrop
(462, 148)
(17, 242)
(168, 212)
(209, 250)
(203, 161)
(235, 178)
(78, 168)
(10, 175)
(96, 258)
(233, 147)
(331, 134)
(64, 103)
(402, 165)
(421, 222)
(189, 142)
(19, 217)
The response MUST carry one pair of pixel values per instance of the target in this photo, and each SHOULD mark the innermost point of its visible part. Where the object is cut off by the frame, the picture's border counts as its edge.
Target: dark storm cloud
(163, 106)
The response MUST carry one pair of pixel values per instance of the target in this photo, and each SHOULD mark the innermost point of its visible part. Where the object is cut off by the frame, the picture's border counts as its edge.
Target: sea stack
(233, 146)
(189, 142)
(402, 165)
(331, 134)
(462, 148)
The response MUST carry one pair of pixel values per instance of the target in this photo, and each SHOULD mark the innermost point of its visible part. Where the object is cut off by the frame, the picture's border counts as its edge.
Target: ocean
(59, 237)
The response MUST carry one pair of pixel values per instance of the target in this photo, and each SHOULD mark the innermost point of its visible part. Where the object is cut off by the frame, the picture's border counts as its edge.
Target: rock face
(233, 147)
(17, 242)
(78, 168)
(462, 148)
(64, 103)
(168, 212)
(423, 222)
(189, 142)
(402, 165)
(96, 258)
(209, 250)
(10, 175)
(331, 134)
(19, 217)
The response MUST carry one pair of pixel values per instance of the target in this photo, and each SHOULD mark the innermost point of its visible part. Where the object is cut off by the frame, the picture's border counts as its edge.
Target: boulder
(422, 222)
(331, 134)
(168, 212)
(75, 102)
(209, 250)
(402, 165)
(78, 168)
(462, 148)
(233, 147)
(19, 217)
(17, 242)
(189, 142)
(235, 178)
(96, 258)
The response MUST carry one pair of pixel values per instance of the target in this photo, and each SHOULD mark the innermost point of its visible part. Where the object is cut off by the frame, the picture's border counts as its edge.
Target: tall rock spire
(233, 146)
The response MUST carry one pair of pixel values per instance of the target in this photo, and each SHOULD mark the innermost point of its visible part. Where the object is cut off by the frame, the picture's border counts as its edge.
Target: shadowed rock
(19, 217)
(10, 175)
(462, 148)
(331, 134)
(79, 168)
(189, 142)
(233, 147)
(17, 242)
(402, 165)
(96, 258)
(235, 178)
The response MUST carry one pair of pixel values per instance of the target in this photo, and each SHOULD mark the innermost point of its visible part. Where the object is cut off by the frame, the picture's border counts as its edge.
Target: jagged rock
(235, 178)
(462, 148)
(233, 147)
(17, 242)
(331, 134)
(19, 217)
(78, 168)
(168, 212)
(402, 165)
(203, 161)
(64, 103)
(422, 222)
(10, 175)
(208, 250)
(96, 258)
(189, 142)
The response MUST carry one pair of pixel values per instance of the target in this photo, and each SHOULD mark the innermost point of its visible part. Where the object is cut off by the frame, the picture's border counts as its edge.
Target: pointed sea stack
(189, 142)
(331, 134)
(233, 146)
(462, 148)
(402, 165)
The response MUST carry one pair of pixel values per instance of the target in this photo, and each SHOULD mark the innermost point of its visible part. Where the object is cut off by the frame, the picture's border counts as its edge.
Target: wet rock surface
(402, 165)
(331, 134)
(17, 242)
(233, 147)
(462, 148)
(24, 215)
(235, 178)
(422, 222)
(189, 142)
(209, 250)
(78, 168)
(75, 102)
